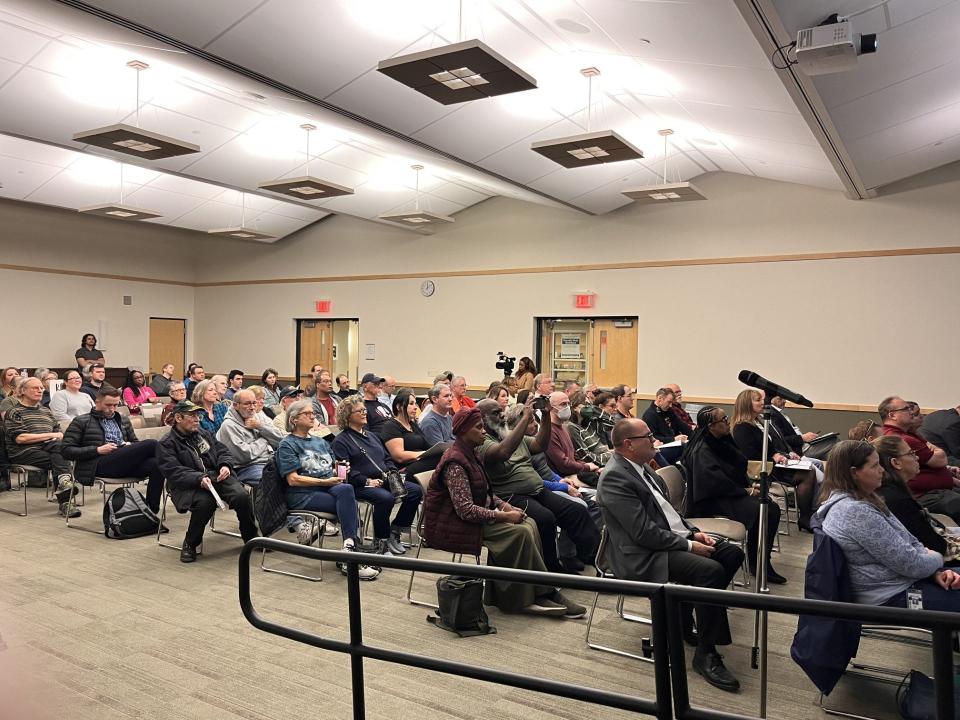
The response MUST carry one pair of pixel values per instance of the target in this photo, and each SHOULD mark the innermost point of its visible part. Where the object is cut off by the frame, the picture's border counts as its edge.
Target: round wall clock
(427, 288)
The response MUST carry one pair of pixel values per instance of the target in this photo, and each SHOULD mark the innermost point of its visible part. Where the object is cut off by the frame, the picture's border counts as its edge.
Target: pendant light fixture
(242, 232)
(665, 192)
(418, 218)
(119, 211)
(133, 140)
(466, 70)
(589, 148)
(306, 187)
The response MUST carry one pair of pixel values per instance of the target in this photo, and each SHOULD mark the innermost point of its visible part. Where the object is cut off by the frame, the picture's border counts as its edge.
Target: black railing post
(678, 657)
(356, 640)
(661, 654)
(943, 670)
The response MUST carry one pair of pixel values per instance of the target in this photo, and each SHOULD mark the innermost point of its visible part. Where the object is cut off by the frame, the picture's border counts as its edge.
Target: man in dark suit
(650, 541)
(942, 428)
(788, 431)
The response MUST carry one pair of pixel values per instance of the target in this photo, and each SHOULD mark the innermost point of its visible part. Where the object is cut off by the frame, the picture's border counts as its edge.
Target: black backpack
(461, 606)
(126, 515)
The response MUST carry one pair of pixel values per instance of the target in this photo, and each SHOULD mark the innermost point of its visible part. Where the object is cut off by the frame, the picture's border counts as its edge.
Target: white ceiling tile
(67, 190)
(600, 202)
(793, 174)
(784, 127)
(809, 156)
(20, 177)
(7, 69)
(16, 43)
(457, 193)
(370, 201)
(35, 152)
(742, 87)
(169, 204)
(573, 182)
(879, 172)
(725, 160)
(213, 215)
(918, 132)
(430, 203)
(206, 106)
(902, 11)
(186, 186)
(193, 22)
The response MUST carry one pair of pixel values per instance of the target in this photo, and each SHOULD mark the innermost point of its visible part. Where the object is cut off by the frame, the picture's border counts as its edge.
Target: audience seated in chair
(377, 412)
(270, 382)
(195, 374)
(901, 465)
(193, 461)
(506, 457)
(437, 425)
(460, 398)
(936, 485)
(136, 392)
(368, 462)
(748, 434)
(624, 395)
(325, 400)
(33, 437)
(587, 445)
(665, 425)
(718, 485)
(791, 434)
(677, 406)
(160, 382)
(220, 383)
(234, 383)
(403, 438)
(498, 391)
(95, 380)
(306, 465)
(103, 443)
(8, 381)
(866, 430)
(560, 451)
(69, 402)
(251, 443)
(651, 542)
(543, 385)
(942, 428)
(178, 393)
(883, 558)
(206, 396)
(604, 417)
(462, 514)
(343, 387)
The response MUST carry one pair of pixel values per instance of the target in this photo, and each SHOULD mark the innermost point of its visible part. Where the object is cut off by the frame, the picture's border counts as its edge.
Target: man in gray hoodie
(250, 442)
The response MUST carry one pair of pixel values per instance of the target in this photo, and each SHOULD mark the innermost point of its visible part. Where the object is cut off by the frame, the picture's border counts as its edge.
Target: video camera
(505, 363)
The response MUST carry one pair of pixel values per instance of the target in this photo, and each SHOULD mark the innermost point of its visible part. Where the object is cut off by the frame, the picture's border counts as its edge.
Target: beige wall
(46, 314)
(839, 330)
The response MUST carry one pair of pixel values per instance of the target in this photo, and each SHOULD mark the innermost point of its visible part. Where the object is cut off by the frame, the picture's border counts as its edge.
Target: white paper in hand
(216, 497)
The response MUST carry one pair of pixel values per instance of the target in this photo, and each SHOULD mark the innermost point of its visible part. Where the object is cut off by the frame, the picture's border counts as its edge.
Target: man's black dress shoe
(710, 666)
(188, 554)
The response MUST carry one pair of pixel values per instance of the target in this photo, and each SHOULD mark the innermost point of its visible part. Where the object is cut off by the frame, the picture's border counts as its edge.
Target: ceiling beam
(768, 29)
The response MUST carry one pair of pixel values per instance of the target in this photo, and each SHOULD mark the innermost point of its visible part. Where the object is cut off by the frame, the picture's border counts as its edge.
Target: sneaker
(545, 606)
(383, 548)
(66, 488)
(393, 542)
(69, 510)
(366, 572)
(573, 610)
(330, 529)
(307, 533)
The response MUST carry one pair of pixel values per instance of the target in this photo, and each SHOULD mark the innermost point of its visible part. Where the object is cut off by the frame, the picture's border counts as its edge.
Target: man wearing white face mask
(560, 453)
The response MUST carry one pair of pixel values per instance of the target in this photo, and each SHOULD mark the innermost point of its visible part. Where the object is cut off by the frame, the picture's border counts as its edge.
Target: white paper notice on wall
(371, 352)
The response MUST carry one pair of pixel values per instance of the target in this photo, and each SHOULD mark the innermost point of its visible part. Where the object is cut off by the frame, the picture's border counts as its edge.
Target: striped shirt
(24, 419)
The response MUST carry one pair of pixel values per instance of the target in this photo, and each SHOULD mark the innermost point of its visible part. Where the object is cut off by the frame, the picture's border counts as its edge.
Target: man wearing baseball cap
(377, 412)
(196, 465)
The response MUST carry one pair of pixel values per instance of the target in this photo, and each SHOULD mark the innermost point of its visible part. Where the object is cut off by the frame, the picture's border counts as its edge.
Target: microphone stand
(758, 657)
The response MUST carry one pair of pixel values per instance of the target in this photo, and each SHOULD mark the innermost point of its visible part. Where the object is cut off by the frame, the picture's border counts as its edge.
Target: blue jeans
(383, 500)
(337, 499)
(250, 475)
(934, 597)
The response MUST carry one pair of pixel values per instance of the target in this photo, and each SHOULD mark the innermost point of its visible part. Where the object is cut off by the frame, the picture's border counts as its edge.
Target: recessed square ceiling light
(467, 70)
(120, 212)
(664, 193)
(417, 218)
(136, 141)
(242, 233)
(587, 149)
(306, 188)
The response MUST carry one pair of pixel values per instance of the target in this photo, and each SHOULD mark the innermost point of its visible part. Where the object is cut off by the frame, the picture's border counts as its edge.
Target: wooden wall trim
(637, 265)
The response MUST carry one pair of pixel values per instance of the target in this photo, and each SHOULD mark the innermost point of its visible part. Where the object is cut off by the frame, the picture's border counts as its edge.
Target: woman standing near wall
(526, 371)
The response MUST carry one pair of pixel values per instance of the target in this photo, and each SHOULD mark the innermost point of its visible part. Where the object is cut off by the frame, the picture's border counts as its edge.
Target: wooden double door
(589, 350)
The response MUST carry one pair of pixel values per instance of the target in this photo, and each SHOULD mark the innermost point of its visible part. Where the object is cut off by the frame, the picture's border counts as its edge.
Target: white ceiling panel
(794, 174)
(601, 201)
(783, 153)
(430, 203)
(170, 204)
(7, 69)
(13, 147)
(756, 88)
(178, 18)
(924, 130)
(19, 177)
(16, 43)
(173, 183)
(573, 182)
(912, 162)
(371, 201)
(741, 122)
(725, 160)
(458, 193)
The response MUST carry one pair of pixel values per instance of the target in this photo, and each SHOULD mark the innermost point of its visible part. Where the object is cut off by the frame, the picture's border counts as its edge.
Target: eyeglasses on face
(910, 407)
(359, 411)
(648, 436)
(909, 452)
(720, 420)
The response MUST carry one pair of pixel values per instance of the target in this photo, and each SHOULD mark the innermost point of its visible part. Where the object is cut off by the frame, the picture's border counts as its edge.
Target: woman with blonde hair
(747, 430)
(214, 411)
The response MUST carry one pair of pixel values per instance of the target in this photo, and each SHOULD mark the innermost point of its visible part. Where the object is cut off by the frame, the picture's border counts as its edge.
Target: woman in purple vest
(463, 514)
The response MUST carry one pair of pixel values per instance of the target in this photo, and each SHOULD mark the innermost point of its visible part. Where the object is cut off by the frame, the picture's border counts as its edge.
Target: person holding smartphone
(313, 479)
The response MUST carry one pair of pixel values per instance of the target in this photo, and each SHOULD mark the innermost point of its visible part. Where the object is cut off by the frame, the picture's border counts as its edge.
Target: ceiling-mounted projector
(832, 47)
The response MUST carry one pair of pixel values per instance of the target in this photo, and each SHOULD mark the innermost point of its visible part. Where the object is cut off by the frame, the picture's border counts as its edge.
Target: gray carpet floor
(92, 628)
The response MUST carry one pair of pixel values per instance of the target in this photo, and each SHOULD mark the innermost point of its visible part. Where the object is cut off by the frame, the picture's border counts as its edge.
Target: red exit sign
(324, 306)
(584, 300)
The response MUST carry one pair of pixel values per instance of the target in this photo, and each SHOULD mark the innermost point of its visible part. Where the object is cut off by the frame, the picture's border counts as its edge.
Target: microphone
(748, 377)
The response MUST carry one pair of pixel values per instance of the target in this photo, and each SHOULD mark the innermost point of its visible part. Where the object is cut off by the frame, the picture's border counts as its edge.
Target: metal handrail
(665, 601)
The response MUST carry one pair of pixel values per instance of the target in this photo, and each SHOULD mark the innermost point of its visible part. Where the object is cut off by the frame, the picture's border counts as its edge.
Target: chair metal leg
(163, 517)
(626, 616)
(317, 525)
(72, 504)
(214, 530)
(22, 487)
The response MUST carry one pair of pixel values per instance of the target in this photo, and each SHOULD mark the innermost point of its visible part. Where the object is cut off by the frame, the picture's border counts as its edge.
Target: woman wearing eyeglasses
(900, 466)
(368, 462)
(136, 392)
(717, 472)
(69, 402)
